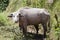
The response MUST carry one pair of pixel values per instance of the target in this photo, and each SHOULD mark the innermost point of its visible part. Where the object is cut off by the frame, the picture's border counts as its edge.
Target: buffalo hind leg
(45, 29)
(49, 28)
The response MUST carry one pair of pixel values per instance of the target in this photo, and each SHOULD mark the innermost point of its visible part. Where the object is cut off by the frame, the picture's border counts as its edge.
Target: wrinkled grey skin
(33, 16)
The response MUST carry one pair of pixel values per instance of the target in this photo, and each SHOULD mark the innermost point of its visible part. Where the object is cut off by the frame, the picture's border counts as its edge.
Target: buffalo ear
(20, 15)
(10, 15)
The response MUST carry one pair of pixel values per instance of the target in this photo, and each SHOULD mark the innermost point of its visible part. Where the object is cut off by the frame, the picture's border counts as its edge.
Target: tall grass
(3, 20)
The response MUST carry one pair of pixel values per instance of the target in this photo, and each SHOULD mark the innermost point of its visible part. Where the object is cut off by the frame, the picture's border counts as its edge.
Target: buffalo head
(14, 16)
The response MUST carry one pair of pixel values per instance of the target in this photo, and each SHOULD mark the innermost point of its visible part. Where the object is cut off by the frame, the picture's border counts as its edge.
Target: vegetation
(3, 4)
(10, 31)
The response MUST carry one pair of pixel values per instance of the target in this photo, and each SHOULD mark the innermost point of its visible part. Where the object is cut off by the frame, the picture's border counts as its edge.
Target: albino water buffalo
(32, 16)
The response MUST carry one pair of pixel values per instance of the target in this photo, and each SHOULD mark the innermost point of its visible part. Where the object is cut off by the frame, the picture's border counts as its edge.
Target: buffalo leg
(21, 27)
(45, 29)
(49, 28)
(24, 29)
(36, 26)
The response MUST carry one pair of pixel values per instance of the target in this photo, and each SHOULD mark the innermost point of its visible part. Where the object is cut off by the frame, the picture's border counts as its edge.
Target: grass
(5, 35)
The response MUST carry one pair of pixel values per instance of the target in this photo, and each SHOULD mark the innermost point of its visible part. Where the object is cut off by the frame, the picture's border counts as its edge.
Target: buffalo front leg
(21, 27)
(24, 29)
